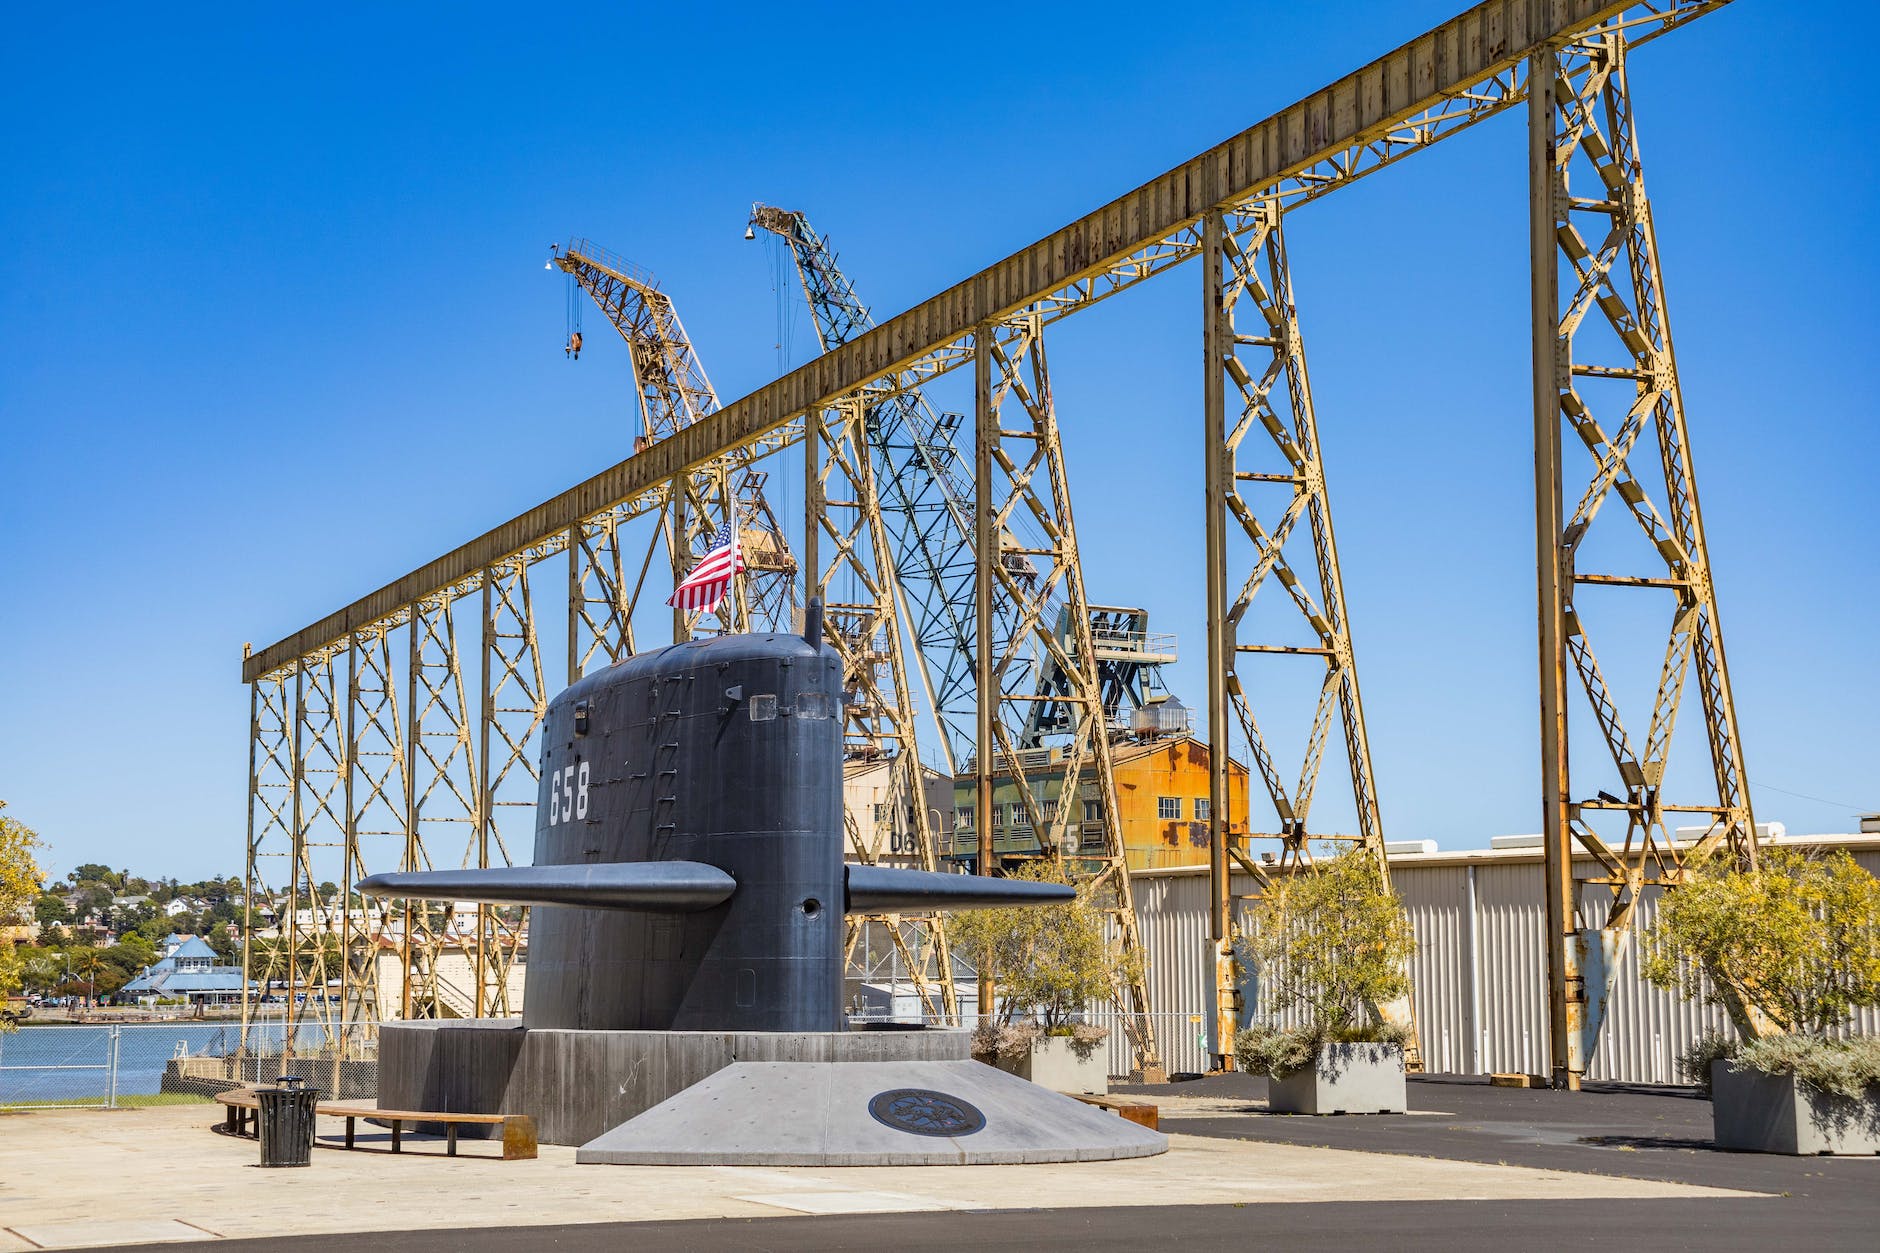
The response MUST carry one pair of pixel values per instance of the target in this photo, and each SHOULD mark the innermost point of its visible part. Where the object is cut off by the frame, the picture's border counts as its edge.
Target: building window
(963, 818)
(881, 813)
(1019, 817)
(1093, 811)
(1201, 809)
(1168, 808)
(1050, 810)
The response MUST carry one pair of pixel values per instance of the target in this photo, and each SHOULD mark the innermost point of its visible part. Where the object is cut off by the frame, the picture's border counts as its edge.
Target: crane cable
(572, 318)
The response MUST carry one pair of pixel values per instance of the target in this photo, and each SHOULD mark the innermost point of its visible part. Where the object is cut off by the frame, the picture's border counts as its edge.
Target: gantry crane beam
(1469, 68)
(1018, 465)
(855, 580)
(1444, 81)
(1265, 485)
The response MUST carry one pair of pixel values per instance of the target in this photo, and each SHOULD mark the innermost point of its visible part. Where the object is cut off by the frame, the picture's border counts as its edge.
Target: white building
(885, 827)
(1480, 973)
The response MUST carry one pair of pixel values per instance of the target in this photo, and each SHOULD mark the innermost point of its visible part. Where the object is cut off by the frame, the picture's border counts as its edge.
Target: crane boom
(674, 392)
(925, 483)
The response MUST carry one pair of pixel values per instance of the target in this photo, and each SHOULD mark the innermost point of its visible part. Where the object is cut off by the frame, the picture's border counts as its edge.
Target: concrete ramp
(911, 1113)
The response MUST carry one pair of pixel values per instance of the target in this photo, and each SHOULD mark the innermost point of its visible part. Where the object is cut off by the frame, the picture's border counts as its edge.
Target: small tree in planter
(1333, 942)
(1790, 949)
(1048, 964)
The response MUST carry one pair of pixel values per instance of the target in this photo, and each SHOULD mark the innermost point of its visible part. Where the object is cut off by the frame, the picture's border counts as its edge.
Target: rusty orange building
(1161, 798)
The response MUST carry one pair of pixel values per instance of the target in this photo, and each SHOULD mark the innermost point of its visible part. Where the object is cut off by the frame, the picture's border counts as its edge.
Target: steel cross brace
(1020, 465)
(1603, 347)
(862, 624)
(1258, 397)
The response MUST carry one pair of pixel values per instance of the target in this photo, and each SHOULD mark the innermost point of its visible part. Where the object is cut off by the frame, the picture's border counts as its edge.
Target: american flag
(710, 579)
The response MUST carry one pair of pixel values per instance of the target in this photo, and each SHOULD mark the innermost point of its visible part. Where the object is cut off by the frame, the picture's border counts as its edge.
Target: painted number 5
(568, 794)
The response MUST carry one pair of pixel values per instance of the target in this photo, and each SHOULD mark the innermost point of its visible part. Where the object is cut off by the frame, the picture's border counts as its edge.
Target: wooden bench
(518, 1129)
(519, 1141)
(1142, 1113)
(242, 1110)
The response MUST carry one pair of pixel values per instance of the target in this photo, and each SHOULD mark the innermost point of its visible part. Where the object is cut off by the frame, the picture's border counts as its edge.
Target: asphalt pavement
(1609, 1129)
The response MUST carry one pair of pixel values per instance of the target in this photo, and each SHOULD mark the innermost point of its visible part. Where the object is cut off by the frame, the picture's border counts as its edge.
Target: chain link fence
(120, 1065)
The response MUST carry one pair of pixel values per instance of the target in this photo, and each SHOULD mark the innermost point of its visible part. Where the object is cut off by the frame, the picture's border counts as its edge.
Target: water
(72, 1063)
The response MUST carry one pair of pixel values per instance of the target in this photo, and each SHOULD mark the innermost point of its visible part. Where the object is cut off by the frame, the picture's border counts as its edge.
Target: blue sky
(274, 329)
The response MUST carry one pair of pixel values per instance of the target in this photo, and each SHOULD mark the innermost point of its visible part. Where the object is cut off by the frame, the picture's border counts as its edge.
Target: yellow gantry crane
(364, 736)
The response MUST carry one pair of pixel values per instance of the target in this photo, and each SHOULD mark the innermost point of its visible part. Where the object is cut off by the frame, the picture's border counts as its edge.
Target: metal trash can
(285, 1122)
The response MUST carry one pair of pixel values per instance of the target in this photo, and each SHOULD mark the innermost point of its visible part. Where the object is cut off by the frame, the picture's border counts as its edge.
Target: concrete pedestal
(578, 1084)
(838, 1098)
(869, 1114)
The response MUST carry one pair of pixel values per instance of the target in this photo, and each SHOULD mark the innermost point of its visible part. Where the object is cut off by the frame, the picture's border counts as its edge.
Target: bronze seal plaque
(923, 1112)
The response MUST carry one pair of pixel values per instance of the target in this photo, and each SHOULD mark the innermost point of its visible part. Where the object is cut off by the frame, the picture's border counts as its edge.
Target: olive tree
(1049, 961)
(1791, 946)
(1332, 940)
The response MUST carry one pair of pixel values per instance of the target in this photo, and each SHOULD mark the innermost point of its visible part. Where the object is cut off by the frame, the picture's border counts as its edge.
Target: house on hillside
(188, 972)
(20, 928)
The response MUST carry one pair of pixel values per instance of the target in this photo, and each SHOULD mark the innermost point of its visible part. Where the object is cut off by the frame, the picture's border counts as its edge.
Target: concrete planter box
(1346, 1079)
(1763, 1113)
(1054, 1064)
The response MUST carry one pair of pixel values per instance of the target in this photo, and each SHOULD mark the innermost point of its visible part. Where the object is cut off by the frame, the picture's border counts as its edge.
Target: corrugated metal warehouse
(1480, 971)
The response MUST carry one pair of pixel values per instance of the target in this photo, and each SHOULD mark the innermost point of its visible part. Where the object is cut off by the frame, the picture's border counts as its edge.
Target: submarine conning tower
(717, 752)
(688, 847)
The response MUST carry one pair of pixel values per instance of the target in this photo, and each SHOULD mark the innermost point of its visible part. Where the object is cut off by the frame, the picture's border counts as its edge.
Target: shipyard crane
(925, 482)
(673, 393)
(878, 712)
(1046, 671)
(926, 486)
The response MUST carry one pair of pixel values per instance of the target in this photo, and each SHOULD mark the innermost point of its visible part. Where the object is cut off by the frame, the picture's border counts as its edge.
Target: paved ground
(1638, 1133)
(1435, 1226)
(1471, 1167)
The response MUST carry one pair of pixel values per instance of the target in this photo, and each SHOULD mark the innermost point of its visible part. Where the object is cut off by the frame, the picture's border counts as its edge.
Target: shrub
(1792, 946)
(1694, 1062)
(995, 1041)
(1275, 1051)
(1844, 1067)
(1084, 1037)
(1280, 1051)
(1333, 941)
